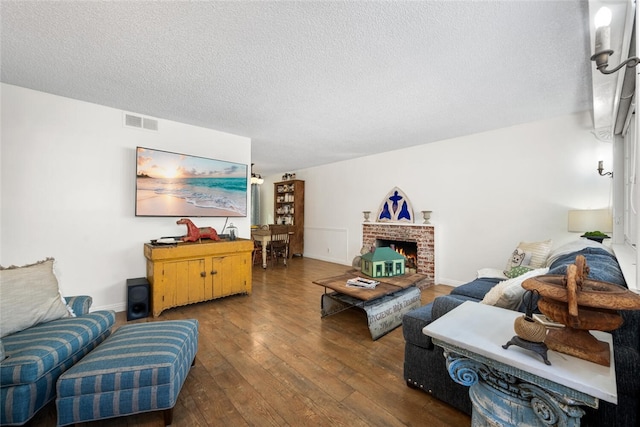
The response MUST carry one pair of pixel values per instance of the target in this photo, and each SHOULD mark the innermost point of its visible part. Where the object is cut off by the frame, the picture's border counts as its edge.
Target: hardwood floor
(268, 359)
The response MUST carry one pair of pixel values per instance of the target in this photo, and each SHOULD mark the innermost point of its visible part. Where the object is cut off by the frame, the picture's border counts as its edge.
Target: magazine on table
(361, 282)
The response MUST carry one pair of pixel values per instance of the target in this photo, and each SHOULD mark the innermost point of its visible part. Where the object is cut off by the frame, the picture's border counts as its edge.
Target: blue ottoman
(139, 368)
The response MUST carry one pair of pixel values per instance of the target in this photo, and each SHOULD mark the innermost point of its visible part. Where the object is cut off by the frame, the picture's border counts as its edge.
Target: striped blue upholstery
(140, 368)
(79, 304)
(38, 355)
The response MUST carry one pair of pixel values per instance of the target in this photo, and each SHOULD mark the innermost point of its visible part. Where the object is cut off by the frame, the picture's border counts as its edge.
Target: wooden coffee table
(385, 304)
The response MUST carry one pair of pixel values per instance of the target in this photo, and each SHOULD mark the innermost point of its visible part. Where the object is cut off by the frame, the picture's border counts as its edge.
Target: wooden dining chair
(257, 251)
(279, 244)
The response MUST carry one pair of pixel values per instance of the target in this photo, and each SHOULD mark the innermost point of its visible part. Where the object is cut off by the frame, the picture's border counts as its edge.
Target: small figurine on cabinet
(194, 233)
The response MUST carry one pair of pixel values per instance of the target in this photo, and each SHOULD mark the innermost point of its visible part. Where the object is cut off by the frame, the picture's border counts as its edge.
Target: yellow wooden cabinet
(193, 272)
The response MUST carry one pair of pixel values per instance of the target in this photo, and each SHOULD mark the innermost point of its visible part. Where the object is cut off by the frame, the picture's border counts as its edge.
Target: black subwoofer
(137, 298)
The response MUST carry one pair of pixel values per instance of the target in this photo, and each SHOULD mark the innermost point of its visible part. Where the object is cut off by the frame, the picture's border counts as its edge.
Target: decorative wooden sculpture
(194, 233)
(581, 305)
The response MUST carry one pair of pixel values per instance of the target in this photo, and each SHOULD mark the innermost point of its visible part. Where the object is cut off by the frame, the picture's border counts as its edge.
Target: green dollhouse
(382, 262)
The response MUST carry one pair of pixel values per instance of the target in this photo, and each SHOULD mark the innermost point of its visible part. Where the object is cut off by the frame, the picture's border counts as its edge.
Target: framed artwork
(181, 185)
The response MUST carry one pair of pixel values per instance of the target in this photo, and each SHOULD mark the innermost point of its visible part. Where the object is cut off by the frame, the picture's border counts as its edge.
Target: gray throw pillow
(30, 296)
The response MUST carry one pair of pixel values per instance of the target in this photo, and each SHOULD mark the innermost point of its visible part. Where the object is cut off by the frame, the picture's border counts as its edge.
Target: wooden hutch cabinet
(289, 210)
(192, 272)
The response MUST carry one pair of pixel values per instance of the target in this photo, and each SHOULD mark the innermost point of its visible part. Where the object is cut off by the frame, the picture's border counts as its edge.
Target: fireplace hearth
(422, 235)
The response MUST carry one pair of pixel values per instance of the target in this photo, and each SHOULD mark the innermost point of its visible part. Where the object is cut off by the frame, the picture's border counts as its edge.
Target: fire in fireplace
(407, 249)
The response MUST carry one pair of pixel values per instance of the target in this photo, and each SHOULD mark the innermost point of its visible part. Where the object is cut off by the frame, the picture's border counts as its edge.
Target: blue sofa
(37, 356)
(424, 363)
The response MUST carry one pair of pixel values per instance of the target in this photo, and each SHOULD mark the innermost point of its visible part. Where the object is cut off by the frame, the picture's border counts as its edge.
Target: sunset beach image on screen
(181, 185)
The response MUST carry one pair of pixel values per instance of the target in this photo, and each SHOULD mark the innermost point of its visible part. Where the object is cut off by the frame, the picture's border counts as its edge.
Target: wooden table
(514, 386)
(264, 237)
(385, 304)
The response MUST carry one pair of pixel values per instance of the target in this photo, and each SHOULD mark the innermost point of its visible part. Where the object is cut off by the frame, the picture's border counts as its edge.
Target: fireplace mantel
(422, 234)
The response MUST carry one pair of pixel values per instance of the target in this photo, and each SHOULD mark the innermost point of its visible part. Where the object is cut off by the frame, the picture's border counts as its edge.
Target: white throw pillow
(530, 254)
(30, 296)
(509, 293)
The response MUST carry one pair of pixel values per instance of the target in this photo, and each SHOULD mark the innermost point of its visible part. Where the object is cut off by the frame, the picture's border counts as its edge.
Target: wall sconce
(601, 169)
(603, 44)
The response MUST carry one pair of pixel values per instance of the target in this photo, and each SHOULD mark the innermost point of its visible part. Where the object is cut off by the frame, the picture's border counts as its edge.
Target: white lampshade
(581, 221)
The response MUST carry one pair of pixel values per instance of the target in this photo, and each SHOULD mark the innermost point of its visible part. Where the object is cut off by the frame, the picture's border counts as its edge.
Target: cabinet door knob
(213, 272)
(203, 274)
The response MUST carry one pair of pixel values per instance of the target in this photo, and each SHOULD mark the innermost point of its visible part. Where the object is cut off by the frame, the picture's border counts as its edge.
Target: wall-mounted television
(181, 185)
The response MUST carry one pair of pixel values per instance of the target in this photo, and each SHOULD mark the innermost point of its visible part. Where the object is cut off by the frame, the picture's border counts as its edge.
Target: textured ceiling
(310, 82)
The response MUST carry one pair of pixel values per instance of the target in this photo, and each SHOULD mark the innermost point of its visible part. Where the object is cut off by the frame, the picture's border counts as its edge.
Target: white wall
(487, 192)
(67, 190)
(68, 177)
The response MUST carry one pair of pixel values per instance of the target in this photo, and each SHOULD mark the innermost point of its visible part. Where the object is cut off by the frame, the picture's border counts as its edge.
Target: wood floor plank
(362, 405)
(270, 359)
(246, 400)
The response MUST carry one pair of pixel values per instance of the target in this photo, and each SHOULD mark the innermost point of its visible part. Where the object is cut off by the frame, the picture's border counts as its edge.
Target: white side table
(514, 386)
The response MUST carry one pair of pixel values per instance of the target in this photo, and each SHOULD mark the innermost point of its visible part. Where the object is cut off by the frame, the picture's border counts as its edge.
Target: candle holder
(366, 215)
(427, 216)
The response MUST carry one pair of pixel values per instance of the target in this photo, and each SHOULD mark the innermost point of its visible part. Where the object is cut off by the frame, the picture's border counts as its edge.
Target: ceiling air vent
(139, 122)
(150, 124)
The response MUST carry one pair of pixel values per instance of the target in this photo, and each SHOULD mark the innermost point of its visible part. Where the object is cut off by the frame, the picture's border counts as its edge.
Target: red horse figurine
(194, 233)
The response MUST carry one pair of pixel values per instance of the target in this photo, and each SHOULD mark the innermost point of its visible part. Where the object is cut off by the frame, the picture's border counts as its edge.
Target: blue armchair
(34, 358)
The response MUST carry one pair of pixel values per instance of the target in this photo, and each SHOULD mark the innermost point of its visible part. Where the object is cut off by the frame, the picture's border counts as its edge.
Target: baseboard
(327, 259)
(450, 282)
(122, 306)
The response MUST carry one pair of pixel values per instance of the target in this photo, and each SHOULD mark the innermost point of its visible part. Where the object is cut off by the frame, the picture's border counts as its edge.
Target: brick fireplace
(421, 234)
